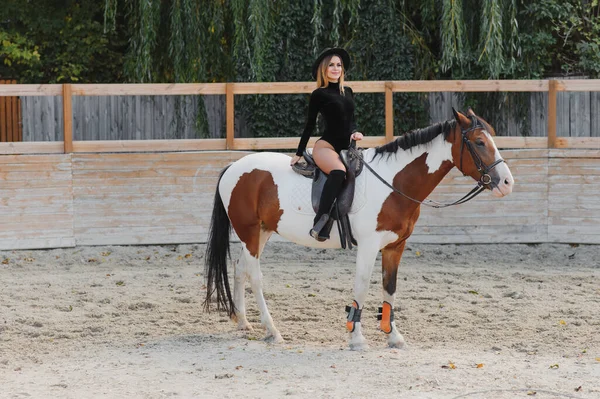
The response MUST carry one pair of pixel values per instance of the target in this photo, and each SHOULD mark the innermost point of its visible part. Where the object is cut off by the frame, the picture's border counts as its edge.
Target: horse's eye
(480, 143)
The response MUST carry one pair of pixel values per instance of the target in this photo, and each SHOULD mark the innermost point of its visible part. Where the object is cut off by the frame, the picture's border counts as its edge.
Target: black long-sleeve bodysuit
(338, 111)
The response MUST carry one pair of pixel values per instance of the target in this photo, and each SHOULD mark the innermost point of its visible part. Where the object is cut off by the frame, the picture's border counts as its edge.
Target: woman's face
(334, 69)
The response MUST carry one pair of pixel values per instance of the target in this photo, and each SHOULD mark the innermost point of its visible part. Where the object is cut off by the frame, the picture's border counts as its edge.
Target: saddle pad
(300, 196)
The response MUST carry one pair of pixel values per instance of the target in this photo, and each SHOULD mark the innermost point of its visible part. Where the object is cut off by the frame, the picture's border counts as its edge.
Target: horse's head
(476, 155)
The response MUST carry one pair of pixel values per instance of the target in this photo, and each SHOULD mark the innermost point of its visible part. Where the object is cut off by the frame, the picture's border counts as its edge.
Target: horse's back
(275, 165)
(262, 178)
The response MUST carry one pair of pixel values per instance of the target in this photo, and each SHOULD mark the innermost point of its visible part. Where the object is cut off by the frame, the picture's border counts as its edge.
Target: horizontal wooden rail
(253, 144)
(243, 88)
(521, 142)
(30, 90)
(578, 85)
(577, 142)
(273, 88)
(155, 89)
(37, 147)
(149, 145)
(470, 85)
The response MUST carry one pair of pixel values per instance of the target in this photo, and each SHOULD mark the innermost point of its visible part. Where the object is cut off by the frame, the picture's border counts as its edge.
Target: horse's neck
(422, 167)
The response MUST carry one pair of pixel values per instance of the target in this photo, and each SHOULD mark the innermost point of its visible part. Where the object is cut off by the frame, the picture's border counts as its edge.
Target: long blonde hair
(322, 80)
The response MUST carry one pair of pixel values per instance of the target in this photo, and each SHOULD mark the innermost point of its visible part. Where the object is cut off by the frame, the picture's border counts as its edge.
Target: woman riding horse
(260, 194)
(335, 102)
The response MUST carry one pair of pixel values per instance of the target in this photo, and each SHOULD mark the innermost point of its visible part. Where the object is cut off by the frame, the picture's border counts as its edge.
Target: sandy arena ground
(480, 321)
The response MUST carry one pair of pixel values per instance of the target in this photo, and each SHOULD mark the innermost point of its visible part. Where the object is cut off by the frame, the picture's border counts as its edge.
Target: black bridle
(484, 181)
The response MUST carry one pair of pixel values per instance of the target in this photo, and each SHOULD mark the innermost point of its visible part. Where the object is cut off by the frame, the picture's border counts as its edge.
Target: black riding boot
(331, 189)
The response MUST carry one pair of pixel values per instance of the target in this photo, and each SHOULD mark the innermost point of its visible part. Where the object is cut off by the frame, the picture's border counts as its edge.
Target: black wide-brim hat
(340, 52)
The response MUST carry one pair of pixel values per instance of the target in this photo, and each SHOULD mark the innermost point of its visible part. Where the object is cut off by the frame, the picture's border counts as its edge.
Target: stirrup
(315, 232)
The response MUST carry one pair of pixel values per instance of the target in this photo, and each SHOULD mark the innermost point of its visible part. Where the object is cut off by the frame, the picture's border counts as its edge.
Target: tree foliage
(50, 41)
(47, 41)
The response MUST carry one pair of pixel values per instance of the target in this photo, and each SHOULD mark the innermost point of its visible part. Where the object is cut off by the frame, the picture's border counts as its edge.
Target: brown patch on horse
(254, 206)
(398, 213)
(390, 259)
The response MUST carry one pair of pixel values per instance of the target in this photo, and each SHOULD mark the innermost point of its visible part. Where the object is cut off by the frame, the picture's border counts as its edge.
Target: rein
(483, 169)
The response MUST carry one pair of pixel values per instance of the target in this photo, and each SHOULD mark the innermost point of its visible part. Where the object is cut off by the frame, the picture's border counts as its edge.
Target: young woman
(335, 103)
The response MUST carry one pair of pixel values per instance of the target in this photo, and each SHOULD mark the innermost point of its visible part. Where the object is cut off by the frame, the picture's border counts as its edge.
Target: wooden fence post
(552, 90)
(68, 118)
(230, 116)
(389, 112)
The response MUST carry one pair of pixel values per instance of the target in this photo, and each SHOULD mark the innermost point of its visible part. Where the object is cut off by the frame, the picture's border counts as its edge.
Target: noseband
(485, 179)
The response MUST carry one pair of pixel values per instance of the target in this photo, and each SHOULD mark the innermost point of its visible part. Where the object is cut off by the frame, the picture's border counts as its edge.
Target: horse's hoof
(396, 344)
(245, 327)
(274, 339)
(358, 346)
(396, 340)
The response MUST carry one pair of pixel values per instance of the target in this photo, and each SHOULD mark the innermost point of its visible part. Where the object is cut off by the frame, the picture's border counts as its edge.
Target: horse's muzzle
(502, 181)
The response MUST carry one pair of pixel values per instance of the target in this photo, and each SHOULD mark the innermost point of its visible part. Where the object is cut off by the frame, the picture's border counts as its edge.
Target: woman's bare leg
(326, 157)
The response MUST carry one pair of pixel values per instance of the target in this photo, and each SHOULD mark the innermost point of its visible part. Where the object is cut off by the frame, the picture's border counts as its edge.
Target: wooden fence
(162, 117)
(10, 116)
(76, 192)
(68, 91)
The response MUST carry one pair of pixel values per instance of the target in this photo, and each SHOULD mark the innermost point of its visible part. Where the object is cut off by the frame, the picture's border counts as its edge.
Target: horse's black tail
(217, 252)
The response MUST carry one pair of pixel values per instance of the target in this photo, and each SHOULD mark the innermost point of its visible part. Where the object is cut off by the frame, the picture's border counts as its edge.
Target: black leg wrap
(353, 316)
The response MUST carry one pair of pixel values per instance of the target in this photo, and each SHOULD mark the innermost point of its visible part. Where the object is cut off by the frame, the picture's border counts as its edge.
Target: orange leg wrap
(387, 318)
(353, 316)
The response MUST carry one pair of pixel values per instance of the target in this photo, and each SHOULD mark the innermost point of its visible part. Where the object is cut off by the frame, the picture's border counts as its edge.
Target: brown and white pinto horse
(260, 194)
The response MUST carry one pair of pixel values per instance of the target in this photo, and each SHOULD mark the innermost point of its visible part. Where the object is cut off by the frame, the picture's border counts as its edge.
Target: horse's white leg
(390, 260)
(239, 286)
(365, 260)
(255, 275)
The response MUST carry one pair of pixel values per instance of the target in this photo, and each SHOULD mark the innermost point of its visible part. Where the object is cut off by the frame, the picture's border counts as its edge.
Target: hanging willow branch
(353, 7)
(195, 33)
(425, 60)
(452, 34)
(513, 44)
(241, 48)
(110, 15)
(145, 22)
(260, 25)
(177, 43)
(336, 21)
(317, 23)
(491, 38)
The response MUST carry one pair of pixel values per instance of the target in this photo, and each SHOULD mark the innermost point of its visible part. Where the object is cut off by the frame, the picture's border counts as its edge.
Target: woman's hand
(357, 136)
(295, 159)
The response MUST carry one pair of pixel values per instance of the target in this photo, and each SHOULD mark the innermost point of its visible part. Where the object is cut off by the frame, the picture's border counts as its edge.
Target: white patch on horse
(440, 150)
(497, 155)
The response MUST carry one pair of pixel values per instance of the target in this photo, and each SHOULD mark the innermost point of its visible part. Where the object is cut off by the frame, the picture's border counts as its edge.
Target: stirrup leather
(386, 317)
(353, 316)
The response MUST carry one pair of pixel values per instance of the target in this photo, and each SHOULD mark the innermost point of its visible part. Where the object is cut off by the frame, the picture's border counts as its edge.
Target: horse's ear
(455, 114)
(470, 112)
(461, 119)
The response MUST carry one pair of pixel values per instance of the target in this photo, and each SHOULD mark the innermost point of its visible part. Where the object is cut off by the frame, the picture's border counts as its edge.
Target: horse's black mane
(416, 137)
